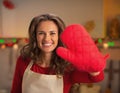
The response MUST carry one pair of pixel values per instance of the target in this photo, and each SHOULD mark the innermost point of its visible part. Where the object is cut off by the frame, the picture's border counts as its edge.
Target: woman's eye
(52, 33)
(40, 33)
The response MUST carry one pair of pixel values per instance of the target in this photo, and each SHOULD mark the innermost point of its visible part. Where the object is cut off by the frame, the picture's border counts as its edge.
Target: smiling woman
(41, 67)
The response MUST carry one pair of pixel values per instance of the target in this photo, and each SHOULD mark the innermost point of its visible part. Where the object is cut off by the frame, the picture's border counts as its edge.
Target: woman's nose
(47, 37)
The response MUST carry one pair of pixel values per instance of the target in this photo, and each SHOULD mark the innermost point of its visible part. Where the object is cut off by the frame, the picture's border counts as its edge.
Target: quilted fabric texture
(81, 50)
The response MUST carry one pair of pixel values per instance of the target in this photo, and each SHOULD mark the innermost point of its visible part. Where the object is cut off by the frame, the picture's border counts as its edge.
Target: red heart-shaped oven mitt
(81, 50)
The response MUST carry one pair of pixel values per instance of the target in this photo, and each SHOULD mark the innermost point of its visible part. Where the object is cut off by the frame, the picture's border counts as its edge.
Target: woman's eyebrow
(40, 31)
(53, 31)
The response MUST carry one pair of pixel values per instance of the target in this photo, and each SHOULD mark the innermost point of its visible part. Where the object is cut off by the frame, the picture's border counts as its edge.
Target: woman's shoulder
(23, 62)
(22, 59)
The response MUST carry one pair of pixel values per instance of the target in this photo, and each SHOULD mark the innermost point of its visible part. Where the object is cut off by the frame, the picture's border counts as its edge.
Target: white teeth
(47, 44)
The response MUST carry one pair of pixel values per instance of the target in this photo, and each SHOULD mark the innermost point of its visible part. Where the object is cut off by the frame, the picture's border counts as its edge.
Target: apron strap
(29, 66)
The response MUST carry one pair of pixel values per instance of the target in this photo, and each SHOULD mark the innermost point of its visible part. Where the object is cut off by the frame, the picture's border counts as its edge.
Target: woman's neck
(45, 60)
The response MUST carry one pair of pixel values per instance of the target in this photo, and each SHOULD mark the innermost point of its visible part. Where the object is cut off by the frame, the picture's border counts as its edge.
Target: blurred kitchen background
(101, 18)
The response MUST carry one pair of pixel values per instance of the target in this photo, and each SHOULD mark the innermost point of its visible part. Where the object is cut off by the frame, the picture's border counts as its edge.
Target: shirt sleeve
(18, 75)
(84, 77)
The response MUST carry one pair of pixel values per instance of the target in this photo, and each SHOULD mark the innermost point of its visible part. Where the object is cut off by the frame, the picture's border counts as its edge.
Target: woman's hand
(81, 50)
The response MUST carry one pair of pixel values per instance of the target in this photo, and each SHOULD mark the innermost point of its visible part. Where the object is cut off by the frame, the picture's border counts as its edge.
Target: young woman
(39, 69)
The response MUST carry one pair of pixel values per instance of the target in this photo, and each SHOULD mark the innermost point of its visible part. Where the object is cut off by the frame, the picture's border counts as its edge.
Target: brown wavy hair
(32, 51)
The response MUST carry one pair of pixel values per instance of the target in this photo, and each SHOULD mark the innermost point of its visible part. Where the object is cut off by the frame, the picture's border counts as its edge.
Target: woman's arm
(17, 79)
(78, 76)
(18, 75)
(94, 73)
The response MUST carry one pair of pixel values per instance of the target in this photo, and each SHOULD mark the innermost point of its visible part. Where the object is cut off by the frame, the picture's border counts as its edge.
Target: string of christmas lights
(15, 42)
(12, 42)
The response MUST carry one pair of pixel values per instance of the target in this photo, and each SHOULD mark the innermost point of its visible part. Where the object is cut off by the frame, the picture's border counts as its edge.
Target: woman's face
(47, 36)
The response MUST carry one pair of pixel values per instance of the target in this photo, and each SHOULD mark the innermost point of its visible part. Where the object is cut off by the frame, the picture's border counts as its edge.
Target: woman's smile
(47, 44)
